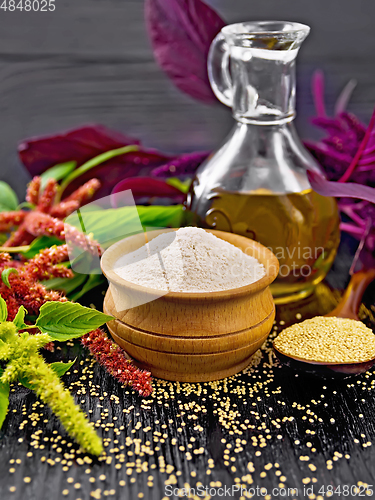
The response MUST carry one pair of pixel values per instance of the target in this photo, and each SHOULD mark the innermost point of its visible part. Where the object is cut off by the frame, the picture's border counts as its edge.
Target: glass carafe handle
(218, 70)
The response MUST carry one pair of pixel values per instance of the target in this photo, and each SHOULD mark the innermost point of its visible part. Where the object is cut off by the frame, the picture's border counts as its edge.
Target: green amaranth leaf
(5, 275)
(93, 281)
(61, 368)
(66, 320)
(159, 216)
(67, 285)
(8, 198)
(25, 382)
(4, 399)
(19, 320)
(94, 162)
(58, 172)
(76, 287)
(3, 310)
(4, 208)
(177, 183)
(114, 224)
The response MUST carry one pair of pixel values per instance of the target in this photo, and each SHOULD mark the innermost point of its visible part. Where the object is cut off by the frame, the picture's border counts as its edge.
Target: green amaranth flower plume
(24, 363)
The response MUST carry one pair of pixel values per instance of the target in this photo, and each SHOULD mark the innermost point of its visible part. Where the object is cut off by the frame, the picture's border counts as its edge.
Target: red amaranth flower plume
(10, 219)
(45, 218)
(76, 200)
(44, 265)
(5, 258)
(25, 289)
(112, 357)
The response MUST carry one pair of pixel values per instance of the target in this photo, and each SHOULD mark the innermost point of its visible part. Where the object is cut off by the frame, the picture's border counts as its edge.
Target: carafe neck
(251, 67)
(264, 85)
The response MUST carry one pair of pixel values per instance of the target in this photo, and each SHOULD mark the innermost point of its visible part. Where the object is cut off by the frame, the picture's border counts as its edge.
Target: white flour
(189, 260)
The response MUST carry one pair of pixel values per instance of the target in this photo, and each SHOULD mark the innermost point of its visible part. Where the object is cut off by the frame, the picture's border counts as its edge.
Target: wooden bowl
(190, 337)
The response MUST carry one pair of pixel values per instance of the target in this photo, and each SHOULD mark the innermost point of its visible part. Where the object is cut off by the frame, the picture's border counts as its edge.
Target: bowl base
(173, 376)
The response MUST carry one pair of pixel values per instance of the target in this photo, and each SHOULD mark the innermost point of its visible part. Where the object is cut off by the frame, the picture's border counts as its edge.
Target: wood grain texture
(198, 367)
(190, 337)
(350, 302)
(181, 344)
(190, 314)
(284, 400)
(90, 61)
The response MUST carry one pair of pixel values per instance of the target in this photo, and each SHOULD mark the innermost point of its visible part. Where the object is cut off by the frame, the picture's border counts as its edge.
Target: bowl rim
(106, 263)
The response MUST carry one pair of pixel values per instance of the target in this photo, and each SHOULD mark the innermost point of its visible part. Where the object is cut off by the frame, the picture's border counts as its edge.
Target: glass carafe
(255, 184)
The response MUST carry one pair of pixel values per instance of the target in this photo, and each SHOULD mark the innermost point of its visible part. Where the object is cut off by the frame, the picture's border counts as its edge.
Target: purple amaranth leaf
(146, 187)
(110, 173)
(181, 32)
(80, 144)
(83, 144)
(183, 165)
(340, 189)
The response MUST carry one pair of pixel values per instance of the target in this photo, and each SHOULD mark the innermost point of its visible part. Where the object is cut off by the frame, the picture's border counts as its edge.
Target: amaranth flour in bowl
(189, 260)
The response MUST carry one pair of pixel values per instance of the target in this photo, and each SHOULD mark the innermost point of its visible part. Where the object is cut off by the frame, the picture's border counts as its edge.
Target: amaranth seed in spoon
(328, 339)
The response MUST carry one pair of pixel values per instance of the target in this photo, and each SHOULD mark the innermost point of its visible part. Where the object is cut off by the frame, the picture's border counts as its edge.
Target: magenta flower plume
(348, 150)
(347, 155)
(363, 163)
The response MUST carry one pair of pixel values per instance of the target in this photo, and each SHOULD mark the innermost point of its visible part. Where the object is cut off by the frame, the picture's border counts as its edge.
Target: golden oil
(301, 229)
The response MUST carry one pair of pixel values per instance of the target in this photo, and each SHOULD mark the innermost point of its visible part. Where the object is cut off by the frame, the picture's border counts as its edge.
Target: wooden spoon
(348, 307)
(350, 302)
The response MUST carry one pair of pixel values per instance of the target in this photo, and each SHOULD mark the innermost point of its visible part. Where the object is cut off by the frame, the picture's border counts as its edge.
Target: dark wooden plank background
(90, 61)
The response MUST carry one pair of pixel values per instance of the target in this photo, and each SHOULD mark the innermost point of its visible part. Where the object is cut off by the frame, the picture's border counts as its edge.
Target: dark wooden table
(266, 428)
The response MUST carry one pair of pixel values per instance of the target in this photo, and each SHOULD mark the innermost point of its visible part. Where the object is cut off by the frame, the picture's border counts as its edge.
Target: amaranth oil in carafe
(301, 229)
(256, 183)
